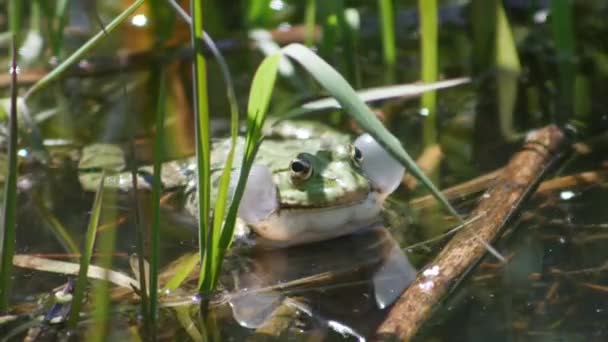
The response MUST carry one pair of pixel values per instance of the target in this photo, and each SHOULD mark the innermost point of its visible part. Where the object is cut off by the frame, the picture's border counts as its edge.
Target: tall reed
(389, 50)
(85, 257)
(9, 209)
(429, 67)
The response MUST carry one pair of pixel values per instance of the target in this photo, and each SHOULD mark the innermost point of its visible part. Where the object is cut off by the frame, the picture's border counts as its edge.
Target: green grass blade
(14, 19)
(509, 67)
(563, 34)
(159, 143)
(85, 258)
(9, 210)
(428, 48)
(389, 50)
(337, 86)
(202, 138)
(310, 22)
(212, 249)
(98, 331)
(257, 107)
(402, 91)
(183, 317)
(60, 232)
(84, 49)
(61, 10)
(258, 12)
(182, 271)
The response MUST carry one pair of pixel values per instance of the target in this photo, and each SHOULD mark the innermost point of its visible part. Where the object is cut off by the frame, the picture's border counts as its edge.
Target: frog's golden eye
(355, 154)
(300, 169)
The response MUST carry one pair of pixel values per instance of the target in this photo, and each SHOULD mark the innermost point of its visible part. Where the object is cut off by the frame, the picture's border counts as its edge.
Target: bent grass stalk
(83, 50)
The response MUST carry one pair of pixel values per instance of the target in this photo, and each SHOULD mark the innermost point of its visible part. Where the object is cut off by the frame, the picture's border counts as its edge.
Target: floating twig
(499, 204)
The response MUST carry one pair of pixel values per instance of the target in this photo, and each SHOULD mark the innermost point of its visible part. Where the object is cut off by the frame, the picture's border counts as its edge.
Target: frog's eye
(356, 155)
(300, 169)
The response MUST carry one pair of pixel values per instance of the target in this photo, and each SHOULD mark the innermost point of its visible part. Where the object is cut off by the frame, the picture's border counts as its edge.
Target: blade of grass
(202, 138)
(310, 22)
(63, 267)
(85, 258)
(563, 34)
(509, 69)
(389, 51)
(14, 19)
(60, 232)
(183, 317)
(337, 86)
(148, 315)
(428, 57)
(182, 271)
(83, 50)
(212, 252)
(258, 12)
(9, 224)
(257, 107)
(98, 331)
(159, 142)
(58, 24)
(404, 91)
(349, 22)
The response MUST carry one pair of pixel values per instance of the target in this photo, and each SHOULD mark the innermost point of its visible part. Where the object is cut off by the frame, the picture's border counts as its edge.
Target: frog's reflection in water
(349, 280)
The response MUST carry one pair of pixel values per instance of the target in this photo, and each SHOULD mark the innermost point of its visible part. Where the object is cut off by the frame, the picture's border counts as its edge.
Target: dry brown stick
(497, 205)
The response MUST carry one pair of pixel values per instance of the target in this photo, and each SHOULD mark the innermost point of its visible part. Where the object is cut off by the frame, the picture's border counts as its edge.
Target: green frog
(308, 183)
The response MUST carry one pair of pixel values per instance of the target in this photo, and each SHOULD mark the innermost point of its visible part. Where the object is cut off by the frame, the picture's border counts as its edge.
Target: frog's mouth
(346, 199)
(292, 225)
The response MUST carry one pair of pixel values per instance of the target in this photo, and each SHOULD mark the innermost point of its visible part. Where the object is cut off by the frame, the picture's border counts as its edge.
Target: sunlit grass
(429, 67)
(509, 69)
(202, 138)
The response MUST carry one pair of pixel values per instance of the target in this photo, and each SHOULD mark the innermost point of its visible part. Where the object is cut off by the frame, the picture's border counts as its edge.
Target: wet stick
(433, 283)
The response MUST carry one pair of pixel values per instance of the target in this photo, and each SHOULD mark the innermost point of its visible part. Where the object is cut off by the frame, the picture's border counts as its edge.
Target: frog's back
(275, 154)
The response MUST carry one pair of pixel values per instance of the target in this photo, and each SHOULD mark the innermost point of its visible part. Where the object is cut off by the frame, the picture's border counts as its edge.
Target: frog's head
(322, 195)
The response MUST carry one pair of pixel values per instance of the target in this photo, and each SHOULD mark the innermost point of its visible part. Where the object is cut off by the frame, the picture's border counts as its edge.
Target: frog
(308, 183)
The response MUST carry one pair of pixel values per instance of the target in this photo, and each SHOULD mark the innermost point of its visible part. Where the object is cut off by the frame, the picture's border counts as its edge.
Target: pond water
(554, 285)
